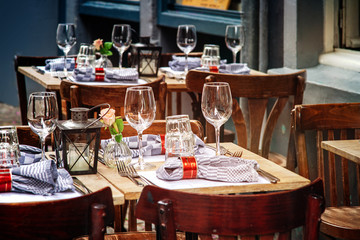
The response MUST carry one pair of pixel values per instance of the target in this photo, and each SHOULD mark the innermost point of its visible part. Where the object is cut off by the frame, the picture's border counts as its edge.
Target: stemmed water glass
(121, 37)
(42, 115)
(140, 109)
(186, 40)
(234, 39)
(216, 106)
(65, 39)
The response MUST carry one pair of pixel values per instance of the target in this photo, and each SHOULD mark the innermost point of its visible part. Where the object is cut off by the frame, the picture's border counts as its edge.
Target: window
(128, 10)
(207, 19)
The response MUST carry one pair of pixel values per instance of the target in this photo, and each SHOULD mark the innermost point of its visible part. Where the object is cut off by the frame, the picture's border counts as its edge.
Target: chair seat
(341, 222)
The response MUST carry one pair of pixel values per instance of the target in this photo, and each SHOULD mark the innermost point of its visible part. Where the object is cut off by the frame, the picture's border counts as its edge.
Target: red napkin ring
(162, 136)
(99, 74)
(189, 167)
(5, 180)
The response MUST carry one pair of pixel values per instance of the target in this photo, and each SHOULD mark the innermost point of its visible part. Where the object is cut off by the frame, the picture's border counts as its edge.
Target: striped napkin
(178, 63)
(234, 68)
(57, 64)
(35, 176)
(88, 74)
(217, 168)
(151, 144)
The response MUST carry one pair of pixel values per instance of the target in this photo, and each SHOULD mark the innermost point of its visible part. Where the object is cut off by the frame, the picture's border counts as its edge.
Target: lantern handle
(100, 117)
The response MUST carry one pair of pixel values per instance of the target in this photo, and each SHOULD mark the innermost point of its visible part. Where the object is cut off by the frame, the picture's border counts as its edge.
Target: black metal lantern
(79, 141)
(145, 57)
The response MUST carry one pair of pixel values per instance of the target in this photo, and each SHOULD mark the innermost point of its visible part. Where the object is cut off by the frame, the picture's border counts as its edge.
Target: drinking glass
(140, 109)
(65, 39)
(234, 39)
(9, 147)
(42, 115)
(211, 57)
(86, 56)
(121, 37)
(216, 106)
(179, 138)
(186, 41)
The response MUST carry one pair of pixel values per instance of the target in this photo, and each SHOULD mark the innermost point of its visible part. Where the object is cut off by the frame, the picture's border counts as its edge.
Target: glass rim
(121, 24)
(216, 84)
(63, 24)
(188, 25)
(43, 94)
(178, 116)
(139, 88)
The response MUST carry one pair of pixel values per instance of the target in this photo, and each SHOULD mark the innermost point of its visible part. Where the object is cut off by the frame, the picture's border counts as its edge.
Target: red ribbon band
(99, 74)
(162, 136)
(5, 180)
(189, 167)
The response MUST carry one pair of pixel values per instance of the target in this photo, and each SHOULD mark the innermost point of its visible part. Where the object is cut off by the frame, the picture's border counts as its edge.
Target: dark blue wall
(28, 27)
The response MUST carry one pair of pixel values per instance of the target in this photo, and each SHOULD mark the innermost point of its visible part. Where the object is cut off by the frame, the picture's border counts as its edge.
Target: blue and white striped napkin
(57, 64)
(87, 74)
(217, 168)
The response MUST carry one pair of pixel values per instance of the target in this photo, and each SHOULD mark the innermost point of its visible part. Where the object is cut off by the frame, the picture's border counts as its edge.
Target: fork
(263, 173)
(135, 174)
(124, 173)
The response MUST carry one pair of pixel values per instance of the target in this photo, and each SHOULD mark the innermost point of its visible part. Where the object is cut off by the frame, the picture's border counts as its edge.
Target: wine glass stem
(65, 69)
(120, 59)
(217, 138)
(234, 57)
(42, 142)
(186, 63)
(141, 158)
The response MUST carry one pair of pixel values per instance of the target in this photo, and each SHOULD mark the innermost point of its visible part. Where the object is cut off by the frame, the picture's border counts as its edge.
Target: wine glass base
(144, 166)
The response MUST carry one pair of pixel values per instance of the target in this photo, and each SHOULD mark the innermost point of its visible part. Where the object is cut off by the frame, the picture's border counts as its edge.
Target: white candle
(74, 155)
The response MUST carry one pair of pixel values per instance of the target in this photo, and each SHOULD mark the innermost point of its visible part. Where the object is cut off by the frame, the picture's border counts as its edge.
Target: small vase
(103, 62)
(116, 151)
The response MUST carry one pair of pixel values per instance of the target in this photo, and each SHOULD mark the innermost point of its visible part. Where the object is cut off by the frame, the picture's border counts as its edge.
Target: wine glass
(65, 39)
(140, 109)
(216, 106)
(186, 41)
(234, 38)
(42, 115)
(121, 37)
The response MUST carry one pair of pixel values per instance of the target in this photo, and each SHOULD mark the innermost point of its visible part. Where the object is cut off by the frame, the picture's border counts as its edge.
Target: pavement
(9, 115)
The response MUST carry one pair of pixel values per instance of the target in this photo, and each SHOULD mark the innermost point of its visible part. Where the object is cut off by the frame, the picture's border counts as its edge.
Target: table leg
(132, 218)
(178, 103)
(169, 104)
(118, 225)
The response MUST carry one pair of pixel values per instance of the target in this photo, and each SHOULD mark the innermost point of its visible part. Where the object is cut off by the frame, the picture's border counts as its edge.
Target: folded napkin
(217, 168)
(151, 144)
(35, 176)
(57, 64)
(88, 74)
(232, 68)
(178, 63)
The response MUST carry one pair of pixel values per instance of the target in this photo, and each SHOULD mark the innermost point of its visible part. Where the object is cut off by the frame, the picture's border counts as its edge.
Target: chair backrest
(259, 90)
(27, 136)
(20, 79)
(58, 219)
(76, 95)
(330, 122)
(229, 215)
(157, 127)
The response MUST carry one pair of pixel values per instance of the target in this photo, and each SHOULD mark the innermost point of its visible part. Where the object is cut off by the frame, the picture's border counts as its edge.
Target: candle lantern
(78, 143)
(145, 57)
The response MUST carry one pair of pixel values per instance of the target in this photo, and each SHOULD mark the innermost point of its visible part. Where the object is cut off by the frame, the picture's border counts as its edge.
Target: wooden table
(349, 149)
(95, 182)
(288, 180)
(53, 84)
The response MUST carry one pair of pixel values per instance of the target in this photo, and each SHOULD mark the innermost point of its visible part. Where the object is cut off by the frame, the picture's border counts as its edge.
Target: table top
(288, 180)
(53, 83)
(349, 149)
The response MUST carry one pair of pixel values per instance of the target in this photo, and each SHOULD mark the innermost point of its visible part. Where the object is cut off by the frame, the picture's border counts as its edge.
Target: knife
(38, 70)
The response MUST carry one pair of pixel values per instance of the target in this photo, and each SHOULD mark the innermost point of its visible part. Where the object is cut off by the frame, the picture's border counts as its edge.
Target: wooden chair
(230, 215)
(27, 136)
(58, 219)
(341, 218)
(258, 90)
(76, 95)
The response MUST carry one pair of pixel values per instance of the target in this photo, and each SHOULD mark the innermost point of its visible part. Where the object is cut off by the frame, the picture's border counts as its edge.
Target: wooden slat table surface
(288, 180)
(53, 83)
(349, 149)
